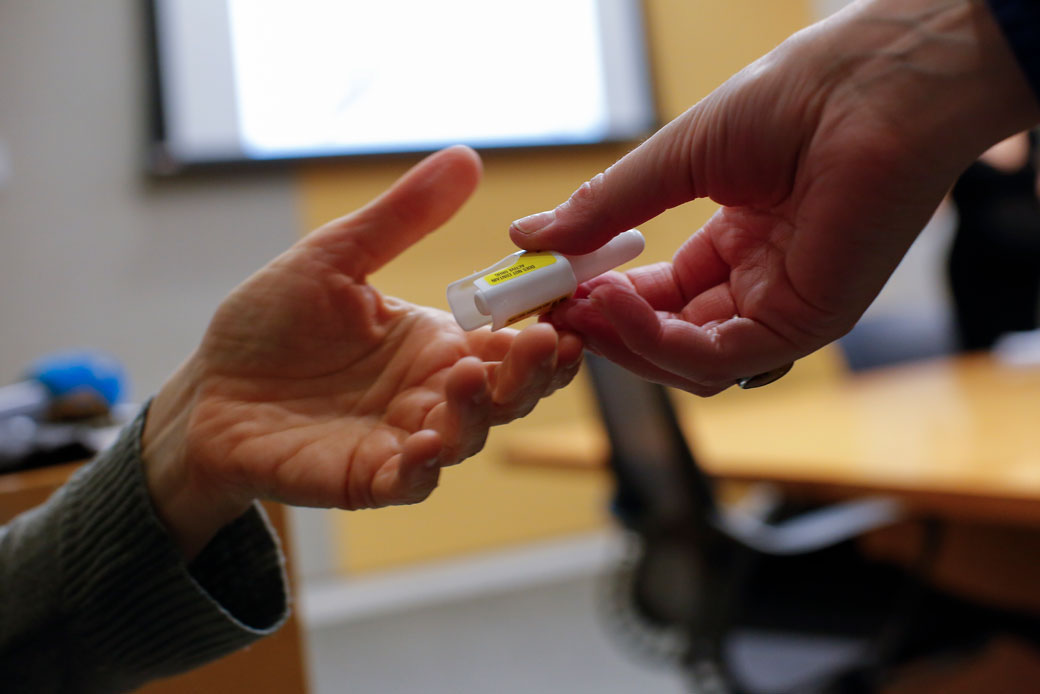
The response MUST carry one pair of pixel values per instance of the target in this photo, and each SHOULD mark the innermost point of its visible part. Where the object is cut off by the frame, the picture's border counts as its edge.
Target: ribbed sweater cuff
(143, 611)
(1020, 22)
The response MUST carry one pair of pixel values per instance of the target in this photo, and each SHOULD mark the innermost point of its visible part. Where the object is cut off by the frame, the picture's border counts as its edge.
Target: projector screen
(255, 80)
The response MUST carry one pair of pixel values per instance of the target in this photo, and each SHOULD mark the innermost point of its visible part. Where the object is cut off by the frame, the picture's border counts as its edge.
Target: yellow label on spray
(525, 263)
(536, 310)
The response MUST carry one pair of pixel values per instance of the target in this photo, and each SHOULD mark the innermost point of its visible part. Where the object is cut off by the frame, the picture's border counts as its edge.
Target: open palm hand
(313, 388)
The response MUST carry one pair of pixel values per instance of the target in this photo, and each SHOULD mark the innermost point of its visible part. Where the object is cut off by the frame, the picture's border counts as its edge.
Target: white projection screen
(261, 80)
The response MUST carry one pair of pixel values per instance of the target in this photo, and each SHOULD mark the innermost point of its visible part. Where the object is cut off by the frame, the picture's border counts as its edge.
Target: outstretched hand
(312, 388)
(828, 156)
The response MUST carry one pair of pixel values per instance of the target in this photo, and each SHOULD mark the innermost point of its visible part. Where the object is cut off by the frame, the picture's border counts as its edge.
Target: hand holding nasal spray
(528, 283)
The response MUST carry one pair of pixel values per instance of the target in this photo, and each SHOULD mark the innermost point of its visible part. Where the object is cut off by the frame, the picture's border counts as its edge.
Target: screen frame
(161, 161)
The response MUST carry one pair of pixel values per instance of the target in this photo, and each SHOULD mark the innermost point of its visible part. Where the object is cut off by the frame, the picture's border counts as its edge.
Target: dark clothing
(994, 264)
(95, 597)
(1020, 22)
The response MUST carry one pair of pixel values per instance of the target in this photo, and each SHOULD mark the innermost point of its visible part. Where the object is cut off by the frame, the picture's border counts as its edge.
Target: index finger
(650, 179)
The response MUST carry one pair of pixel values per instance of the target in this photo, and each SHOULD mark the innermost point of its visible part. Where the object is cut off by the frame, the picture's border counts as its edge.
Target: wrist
(938, 73)
(189, 502)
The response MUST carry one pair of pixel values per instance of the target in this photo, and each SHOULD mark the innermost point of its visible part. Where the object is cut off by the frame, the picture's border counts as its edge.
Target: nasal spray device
(527, 283)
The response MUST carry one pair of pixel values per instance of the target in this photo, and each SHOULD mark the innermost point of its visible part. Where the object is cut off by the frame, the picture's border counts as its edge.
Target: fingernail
(430, 464)
(534, 222)
(596, 296)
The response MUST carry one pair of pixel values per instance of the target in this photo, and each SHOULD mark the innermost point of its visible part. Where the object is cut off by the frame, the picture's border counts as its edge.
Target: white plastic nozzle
(618, 251)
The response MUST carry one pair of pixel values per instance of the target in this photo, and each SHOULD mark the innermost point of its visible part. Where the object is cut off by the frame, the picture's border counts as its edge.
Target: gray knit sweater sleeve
(95, 597)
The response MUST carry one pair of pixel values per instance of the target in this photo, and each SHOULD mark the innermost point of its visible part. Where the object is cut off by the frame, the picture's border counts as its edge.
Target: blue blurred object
(68, 373)
(73, 384)
(66, 408)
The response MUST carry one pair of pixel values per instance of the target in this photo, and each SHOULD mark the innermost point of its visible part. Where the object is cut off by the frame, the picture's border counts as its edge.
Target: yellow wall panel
(695, 46)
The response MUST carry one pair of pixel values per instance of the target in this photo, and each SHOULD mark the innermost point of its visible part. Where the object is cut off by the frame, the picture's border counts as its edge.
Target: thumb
(421, 200)
(650, 179)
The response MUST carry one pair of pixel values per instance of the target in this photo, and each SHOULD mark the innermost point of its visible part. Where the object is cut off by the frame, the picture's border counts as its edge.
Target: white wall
(92, 253)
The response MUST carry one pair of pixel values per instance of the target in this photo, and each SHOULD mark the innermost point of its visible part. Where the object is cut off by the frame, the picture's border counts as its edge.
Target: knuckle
(583, 200)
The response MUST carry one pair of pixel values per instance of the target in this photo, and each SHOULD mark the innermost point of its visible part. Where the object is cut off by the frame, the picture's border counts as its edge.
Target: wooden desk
(274, 665)
(959, 437)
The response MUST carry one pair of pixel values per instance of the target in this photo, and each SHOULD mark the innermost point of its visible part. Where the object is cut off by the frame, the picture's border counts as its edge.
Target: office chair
(775, 603)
